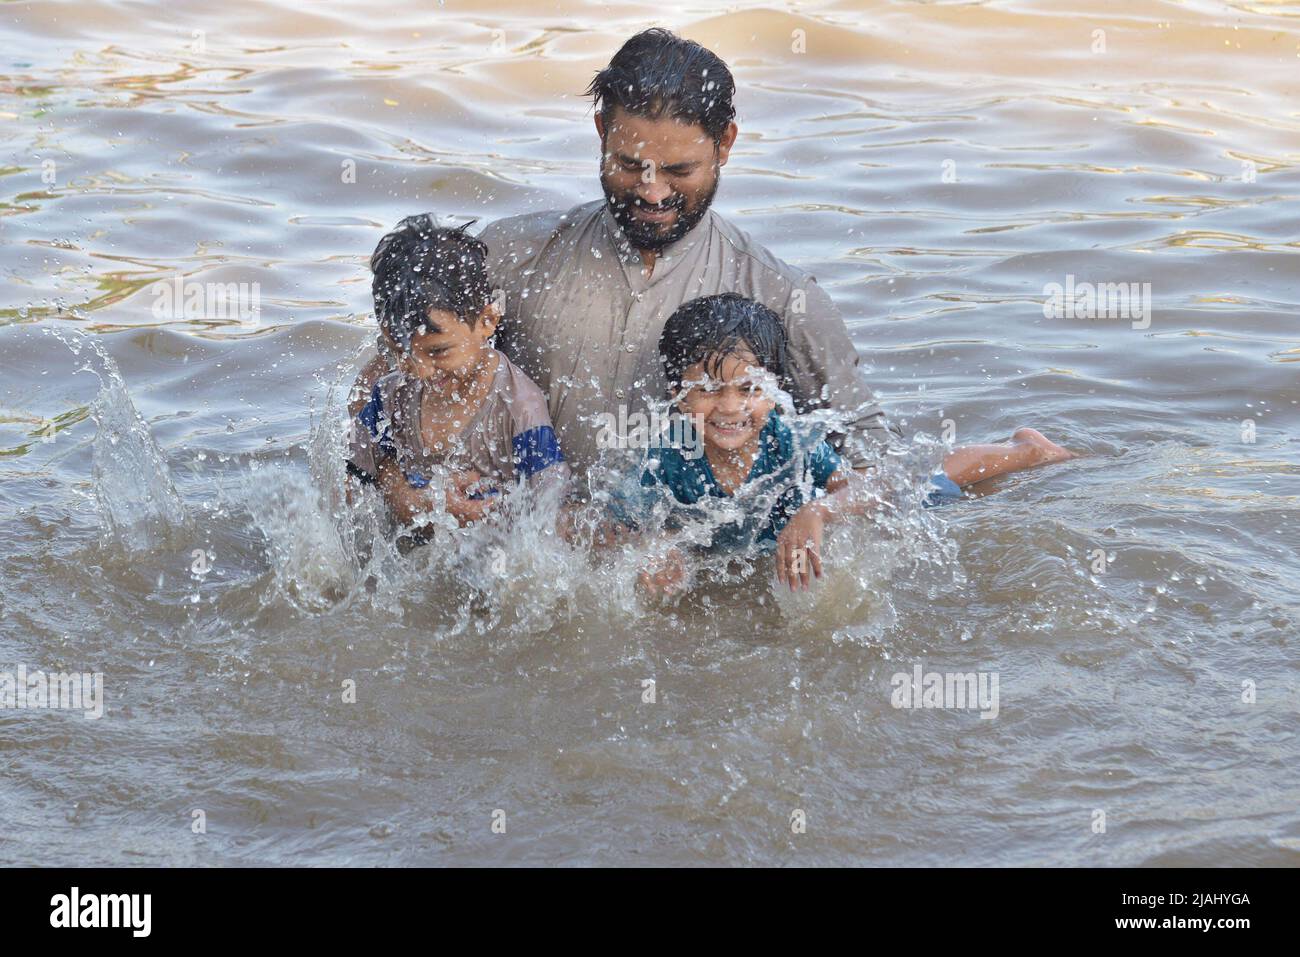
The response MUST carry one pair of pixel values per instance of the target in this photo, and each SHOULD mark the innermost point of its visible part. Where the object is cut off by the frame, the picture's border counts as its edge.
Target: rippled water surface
(936, 165)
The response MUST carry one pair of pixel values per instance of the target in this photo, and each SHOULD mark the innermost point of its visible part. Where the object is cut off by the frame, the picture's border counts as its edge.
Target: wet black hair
(657, 73)
(421, 266)
(710, 328)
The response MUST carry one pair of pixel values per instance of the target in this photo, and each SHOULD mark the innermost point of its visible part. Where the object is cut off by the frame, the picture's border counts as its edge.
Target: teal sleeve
(632, 501)
(824, 462)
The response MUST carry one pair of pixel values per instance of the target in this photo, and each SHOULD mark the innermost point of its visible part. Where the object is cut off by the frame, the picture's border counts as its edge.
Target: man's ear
(600, 127)
(489, 319)
(725, 144)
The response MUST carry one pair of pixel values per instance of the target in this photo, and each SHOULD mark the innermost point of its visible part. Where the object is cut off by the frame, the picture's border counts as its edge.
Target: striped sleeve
(536, 449)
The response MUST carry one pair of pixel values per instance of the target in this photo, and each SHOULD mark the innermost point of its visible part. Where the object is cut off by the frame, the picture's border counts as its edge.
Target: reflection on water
(935, 165)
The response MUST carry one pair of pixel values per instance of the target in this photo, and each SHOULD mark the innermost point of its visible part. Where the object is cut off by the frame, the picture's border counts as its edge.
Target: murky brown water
(936, 165)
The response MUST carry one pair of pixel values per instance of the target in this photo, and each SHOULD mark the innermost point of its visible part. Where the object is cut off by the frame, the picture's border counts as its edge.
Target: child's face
(733, 405)
(448, 345)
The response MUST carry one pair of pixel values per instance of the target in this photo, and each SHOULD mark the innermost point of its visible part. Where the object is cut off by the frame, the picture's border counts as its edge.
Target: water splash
(137, 502)
(329, 544)
(326, 547)
(863, 557)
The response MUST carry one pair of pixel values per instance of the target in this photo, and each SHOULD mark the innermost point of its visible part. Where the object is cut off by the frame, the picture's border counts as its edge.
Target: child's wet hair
(710, 328)
(421, 266)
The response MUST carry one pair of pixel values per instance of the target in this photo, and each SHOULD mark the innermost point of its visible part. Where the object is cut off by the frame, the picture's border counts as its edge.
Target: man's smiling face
(659, 175)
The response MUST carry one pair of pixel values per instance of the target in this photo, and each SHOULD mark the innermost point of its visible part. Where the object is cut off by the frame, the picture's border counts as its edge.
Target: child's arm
(665, 576)
(370, 373)
(580, 524)
(535, 449)
(407, 502)
(372, 457)
(621, 520)
(364, 433)
(798, 556)
(799, 544)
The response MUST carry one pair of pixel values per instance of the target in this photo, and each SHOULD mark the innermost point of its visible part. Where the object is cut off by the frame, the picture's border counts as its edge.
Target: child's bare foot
(1044, 451)
(1027, 449)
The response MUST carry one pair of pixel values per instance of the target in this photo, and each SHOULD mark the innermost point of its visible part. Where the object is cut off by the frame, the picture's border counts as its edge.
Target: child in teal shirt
(725, 360)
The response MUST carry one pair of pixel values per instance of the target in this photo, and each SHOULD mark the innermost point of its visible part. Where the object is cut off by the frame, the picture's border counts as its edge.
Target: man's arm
(824, 367)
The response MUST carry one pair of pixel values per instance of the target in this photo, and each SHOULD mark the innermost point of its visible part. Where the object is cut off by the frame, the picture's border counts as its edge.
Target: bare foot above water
(1027, 449)
(1046, 451)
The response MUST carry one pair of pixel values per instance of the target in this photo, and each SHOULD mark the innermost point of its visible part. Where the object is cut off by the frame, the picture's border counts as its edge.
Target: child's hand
(460, 506)
(665, 576)
(799, 548)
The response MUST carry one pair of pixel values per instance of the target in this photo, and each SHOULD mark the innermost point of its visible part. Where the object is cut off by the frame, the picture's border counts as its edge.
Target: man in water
(588, 290)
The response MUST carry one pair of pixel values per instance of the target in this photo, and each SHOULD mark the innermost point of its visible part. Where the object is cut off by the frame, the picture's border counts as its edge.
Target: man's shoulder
(517, 235)
(758, 256)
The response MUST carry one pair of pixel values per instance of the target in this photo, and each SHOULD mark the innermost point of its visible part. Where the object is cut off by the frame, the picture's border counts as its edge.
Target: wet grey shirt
(584, 322)
(508, 438)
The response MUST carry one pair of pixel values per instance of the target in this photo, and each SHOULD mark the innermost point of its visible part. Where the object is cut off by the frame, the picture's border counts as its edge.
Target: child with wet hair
(449, 403)
(725, 359)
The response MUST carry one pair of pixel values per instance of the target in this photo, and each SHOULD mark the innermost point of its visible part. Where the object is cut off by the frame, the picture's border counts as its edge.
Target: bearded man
(587, 290)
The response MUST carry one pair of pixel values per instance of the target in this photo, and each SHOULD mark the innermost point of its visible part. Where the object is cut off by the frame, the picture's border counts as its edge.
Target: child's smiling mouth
(732, 427)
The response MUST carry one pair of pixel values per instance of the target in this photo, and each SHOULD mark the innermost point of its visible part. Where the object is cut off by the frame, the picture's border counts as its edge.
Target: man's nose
(653, 193)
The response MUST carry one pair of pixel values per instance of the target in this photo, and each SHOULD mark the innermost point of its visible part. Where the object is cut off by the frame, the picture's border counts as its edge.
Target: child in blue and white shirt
(453, 403)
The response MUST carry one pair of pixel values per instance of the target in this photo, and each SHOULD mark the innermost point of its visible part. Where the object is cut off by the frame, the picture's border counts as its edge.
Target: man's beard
(652, 237)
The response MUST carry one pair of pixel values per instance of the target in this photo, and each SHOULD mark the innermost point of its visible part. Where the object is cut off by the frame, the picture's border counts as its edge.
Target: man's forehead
(641, 135)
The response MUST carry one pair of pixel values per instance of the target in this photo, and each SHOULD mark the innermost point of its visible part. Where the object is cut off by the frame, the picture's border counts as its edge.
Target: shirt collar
(668, 256)
(766, 460)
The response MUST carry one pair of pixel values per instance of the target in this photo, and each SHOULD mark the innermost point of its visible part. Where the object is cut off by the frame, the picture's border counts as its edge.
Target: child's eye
(699, 385)
(747, 388)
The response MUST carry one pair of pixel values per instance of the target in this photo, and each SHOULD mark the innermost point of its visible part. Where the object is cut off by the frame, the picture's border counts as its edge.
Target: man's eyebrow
(671, 167)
